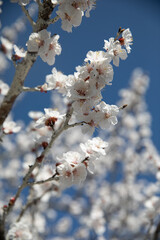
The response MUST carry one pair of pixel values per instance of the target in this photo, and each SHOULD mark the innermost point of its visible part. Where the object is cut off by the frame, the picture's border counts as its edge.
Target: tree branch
(55, 19)
(39, 159)
(16, 88)
(28, 16)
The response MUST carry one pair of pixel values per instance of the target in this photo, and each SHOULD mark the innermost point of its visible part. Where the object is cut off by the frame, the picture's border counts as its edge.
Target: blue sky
(141, 16)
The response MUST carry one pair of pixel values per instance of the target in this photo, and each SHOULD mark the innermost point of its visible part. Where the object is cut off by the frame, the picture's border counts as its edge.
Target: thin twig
(40, 159)
(120, 30)
(28, 89)
(43, 181)
(53, 20)
(28, 16)
(30, 203)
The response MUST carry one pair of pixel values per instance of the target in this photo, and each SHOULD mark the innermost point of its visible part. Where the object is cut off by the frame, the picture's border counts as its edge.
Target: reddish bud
(12, 201)
(57, 164)
(33, 150)
(121, 40)
(16, 57)
(3, 49)
(50, 121)
(40, 159)
(5, 206)
(42, 90)
(44, 144)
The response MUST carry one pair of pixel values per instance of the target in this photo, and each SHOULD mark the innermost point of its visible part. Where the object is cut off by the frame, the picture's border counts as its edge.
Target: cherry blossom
(70, 169)
(127, 39)
(49, 119)
(115, 50)
(45, 45)
(69, 15)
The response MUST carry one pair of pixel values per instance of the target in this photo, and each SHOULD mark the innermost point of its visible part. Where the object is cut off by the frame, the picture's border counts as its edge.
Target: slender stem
(30, 203)
(43, 181)
(28, 89)
(28, 16)
(53, 20)
(120, 30)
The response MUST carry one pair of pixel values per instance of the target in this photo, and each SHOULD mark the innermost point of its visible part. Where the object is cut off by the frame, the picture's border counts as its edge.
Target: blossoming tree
(59, 179)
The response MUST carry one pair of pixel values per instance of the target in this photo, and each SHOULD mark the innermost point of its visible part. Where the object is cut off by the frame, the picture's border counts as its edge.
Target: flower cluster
(72, 166)
(83, 89)
(45, 45)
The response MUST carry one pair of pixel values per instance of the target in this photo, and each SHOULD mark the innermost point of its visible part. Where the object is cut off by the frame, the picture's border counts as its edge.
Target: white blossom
(50, 118)
(46, 46)
(70, 169)
(115, 51)
(127, 38)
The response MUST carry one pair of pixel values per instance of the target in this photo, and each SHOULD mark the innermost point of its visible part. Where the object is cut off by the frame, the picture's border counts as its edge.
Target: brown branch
(28, 16)
(39, 159)
(16, 87)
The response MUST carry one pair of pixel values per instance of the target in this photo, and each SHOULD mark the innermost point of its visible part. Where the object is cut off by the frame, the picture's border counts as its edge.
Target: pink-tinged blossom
(93, 149)
(56, 80)
(53, 48)
(82, 90)
(19, 231)
(115, 51)
(69, 15)
(106, 115)
(10, 127)
(100, 68)
(126, 39)
(46, 46)
(94, 146)
(70, 169)
(36, 42)
(3, 88)
(49, 119)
